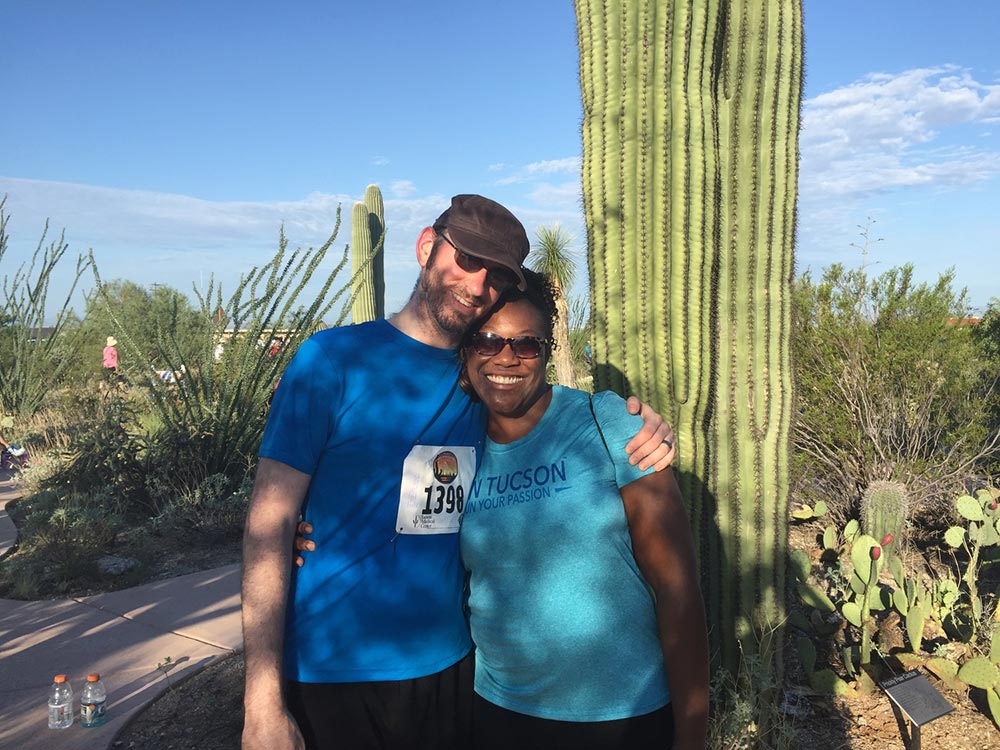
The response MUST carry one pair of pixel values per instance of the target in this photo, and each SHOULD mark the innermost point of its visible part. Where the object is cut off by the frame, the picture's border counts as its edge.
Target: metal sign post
(919, 701)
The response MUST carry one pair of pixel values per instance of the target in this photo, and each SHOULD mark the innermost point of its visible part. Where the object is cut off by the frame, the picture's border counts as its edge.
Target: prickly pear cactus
(947, 671)
(810, 512)
(979, 672)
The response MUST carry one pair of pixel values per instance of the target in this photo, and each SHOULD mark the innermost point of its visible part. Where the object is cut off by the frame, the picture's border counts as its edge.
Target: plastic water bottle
(60, 703)
(92, 701)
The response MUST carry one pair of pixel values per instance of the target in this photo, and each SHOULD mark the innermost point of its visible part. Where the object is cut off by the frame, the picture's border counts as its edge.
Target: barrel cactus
(690, 162)
(884, 510)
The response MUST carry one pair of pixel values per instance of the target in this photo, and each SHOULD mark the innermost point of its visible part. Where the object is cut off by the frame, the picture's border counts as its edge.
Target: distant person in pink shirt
(111, 359)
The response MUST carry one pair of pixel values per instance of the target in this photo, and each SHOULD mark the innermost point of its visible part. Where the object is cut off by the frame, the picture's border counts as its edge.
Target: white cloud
(402, 188)
(555, 166)
(529, 173)
(885, 131)
(498, 167)
(380, 161)
(512, 180)
(178, 240)
(565, 196)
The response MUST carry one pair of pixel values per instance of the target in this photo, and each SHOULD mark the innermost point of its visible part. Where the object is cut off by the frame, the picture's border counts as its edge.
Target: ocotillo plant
(884, 509)
(33, 365)
(690, 161)
(367, 257)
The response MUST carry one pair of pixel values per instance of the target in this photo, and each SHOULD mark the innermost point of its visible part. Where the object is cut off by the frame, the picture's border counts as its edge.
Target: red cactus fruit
(994, 506)
(876, 552)
(887, 539)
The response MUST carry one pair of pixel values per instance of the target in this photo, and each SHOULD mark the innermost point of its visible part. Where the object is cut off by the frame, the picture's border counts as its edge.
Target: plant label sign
(916, 697)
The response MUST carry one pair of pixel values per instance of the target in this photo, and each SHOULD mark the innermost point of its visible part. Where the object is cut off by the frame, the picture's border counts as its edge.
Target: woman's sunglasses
(490, 345)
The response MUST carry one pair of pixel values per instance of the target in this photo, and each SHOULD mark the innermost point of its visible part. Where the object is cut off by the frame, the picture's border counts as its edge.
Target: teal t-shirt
(563, 621)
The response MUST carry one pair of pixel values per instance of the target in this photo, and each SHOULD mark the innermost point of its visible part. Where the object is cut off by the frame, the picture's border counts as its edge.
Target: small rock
(112, 565)
(795, 704)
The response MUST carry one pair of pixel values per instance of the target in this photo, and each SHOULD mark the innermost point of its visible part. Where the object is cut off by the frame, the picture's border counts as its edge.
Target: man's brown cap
(481, 227)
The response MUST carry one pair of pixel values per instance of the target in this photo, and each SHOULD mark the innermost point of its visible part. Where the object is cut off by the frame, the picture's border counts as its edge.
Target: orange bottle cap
(93, 677)
(59, 678)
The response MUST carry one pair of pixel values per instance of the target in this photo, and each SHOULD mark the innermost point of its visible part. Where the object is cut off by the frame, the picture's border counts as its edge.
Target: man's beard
(441, 305)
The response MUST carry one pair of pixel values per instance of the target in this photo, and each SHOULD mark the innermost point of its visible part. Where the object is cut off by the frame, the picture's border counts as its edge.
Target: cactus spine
(367, 266)
(884, 510)
(690, 161)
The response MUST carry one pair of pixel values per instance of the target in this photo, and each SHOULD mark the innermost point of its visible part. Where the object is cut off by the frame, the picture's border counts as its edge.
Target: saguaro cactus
(367, 264)
(690, 160)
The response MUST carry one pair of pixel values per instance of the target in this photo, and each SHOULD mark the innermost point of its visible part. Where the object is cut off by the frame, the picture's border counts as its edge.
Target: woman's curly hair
(540, 293)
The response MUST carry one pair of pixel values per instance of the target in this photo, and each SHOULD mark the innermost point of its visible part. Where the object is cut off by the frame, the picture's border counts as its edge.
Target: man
(368, 646)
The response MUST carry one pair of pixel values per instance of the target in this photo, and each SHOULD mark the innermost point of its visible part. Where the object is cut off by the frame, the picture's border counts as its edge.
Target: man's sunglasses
(498, 277)
(523, 347)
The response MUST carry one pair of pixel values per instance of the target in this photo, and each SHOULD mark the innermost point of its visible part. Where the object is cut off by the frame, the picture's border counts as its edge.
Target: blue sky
(175, 139)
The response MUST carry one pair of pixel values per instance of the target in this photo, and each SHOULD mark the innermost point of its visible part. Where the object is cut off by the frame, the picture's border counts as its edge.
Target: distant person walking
(111, 360)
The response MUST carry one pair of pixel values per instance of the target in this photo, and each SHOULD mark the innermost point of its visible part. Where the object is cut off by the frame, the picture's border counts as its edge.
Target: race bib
(436, 484)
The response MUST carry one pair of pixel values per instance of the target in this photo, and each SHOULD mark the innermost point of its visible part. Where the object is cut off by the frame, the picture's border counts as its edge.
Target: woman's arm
(664, 552)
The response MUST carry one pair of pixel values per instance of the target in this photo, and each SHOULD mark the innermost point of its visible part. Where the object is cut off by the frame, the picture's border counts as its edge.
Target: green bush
(61, 538)
(213, 509)
(987, 336)
(889, 387)
(106, 453)
(745, 711)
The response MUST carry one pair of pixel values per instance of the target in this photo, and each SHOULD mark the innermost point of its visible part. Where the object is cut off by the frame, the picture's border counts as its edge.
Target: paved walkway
(123, 635)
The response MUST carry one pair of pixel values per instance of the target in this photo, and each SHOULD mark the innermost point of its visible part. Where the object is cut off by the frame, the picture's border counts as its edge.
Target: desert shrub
(214, 509)
(889, 387)
(745, 710)
(60, 538)
(106, 453)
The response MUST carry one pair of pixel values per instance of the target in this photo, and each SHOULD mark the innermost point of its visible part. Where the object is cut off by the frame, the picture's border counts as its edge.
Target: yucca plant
(550, 256)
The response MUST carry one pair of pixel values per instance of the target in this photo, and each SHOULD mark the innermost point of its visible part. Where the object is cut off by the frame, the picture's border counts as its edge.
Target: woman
(582, 578)
(109, 359)
(583, 593)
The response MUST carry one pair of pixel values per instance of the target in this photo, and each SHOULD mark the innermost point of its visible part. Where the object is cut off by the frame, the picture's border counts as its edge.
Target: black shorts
(496, 728)
(425, 713)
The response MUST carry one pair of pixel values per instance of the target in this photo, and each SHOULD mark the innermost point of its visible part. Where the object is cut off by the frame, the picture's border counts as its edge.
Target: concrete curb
(10, 492)
(123, 635)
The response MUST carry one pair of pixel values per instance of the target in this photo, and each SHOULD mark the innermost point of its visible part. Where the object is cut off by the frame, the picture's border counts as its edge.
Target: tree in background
(986, 334)
(551, 257)
(891, 386)
(150, 318)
